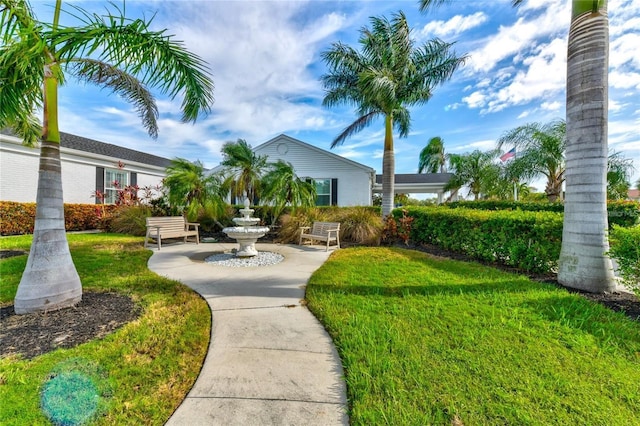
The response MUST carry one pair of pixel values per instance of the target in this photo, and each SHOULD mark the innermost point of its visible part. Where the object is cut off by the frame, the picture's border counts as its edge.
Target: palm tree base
(30, 298)
(586, 272)
(50, 280)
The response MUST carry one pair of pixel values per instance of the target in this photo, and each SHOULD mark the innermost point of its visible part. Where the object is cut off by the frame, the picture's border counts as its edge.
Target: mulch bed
(97, 315)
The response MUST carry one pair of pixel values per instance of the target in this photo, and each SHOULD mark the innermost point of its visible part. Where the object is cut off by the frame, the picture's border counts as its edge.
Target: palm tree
(389, 75)
(540, 151)
(282, 187)
(583, 263)
(432, 157)
(193, 190)
(477, 170)
(111, 51)
(244, 169)
(619, 171)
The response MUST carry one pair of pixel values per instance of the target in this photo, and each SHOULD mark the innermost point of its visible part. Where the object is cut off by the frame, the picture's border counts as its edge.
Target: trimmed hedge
(529, 241)
(18, 218)
(625, 249)
(621, 213)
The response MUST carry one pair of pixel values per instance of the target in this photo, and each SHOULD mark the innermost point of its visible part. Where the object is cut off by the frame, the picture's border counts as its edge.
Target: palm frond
(152, 56)
(362, 122)
(122, 83)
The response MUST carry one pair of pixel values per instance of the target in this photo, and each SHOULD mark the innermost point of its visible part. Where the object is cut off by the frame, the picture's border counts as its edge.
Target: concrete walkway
(270, 361)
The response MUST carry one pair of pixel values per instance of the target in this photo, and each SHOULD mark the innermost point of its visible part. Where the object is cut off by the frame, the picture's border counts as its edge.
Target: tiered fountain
(247, 233)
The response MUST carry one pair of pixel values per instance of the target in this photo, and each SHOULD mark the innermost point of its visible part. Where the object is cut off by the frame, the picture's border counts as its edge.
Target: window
(114, 179)
(323, 192)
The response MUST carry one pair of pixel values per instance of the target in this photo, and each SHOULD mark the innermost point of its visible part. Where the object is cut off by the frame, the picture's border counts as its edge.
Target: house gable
(295, 151)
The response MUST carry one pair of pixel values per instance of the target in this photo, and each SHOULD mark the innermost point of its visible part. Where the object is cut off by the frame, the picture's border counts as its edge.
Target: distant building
(634, 194)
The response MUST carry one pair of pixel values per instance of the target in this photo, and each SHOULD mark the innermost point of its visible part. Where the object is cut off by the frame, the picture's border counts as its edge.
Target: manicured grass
(426, 340)
(140, 373)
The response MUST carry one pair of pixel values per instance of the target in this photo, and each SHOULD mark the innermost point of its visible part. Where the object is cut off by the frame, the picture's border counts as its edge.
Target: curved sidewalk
(270, 361)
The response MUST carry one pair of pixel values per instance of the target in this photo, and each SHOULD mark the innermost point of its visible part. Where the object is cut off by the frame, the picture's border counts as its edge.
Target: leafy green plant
(625, 249)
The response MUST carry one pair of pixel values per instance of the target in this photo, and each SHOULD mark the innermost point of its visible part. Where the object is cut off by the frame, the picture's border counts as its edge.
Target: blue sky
(264, 57)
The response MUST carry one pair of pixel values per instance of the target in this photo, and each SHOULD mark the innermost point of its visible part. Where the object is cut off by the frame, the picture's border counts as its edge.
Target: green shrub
(360, 225)
(19, 218)
(622, 213)
(625, 249)
(526, 240)
(130, 220)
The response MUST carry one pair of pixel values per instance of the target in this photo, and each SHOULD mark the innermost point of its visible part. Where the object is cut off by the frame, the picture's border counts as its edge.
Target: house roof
(422, 178)
(416, 183)
(337, 157)
(79, 143)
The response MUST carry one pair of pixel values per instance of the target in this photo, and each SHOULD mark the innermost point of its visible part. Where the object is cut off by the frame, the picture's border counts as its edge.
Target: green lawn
(425, 340)
(140, 373)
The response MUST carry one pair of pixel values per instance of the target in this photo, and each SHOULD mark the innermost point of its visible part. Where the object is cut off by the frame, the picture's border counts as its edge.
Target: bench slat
(170, 227)
(321, 231)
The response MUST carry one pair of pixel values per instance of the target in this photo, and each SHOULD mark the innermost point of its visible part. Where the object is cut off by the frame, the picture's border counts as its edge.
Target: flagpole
(515, 182)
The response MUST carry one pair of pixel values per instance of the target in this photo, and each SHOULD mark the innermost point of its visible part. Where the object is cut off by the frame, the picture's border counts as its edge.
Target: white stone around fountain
(247, 233)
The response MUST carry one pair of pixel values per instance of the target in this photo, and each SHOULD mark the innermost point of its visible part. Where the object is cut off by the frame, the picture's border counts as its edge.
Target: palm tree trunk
(50, 280)
(583, 263)
(388, 168)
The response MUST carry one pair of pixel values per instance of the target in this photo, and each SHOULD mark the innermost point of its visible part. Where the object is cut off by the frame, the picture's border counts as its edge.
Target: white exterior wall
(19, 172)
(354, 180)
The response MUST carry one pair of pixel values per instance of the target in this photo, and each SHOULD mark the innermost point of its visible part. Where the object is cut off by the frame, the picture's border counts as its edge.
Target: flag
(508, 154)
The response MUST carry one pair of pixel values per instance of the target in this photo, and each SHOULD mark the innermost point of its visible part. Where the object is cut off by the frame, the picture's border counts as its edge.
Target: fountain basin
(246, 238)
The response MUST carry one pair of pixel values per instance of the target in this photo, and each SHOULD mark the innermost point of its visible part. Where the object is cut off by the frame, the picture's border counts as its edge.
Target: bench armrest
(195, 224)
(302, 228)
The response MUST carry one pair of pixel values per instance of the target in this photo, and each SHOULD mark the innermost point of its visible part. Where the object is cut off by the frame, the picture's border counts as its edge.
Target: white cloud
(551, 106)
(454, 26)
(517, 38)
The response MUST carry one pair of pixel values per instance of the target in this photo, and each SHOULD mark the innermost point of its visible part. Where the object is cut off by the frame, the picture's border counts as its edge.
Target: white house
(87, 165)
(339, 181)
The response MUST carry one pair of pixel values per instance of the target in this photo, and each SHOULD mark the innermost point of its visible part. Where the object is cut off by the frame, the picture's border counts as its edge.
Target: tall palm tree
(583, 263)
(432, 157)
(540, 151)
(244, 169)
(476, 170)
(282, 187)
(389, 75)
(111, 51)
(192, 189)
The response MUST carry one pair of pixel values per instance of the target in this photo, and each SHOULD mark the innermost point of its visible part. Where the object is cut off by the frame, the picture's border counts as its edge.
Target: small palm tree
(110, 51)
(432, 157)
(540, 151)
(193, 190)
(476, 170)
(619, 171)
(244, 169)
(282, 187)
(387, 77)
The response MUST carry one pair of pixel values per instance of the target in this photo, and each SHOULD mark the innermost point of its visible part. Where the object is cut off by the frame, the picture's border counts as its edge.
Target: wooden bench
(170, 227)
(321, 231)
